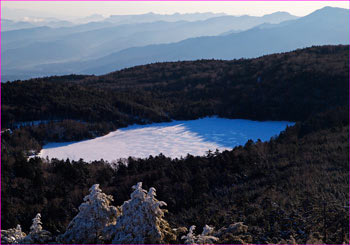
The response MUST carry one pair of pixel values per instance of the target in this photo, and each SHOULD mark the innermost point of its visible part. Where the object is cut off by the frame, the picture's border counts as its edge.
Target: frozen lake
(173, 139)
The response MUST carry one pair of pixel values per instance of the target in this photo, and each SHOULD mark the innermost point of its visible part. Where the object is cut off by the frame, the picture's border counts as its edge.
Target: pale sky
(70, 9)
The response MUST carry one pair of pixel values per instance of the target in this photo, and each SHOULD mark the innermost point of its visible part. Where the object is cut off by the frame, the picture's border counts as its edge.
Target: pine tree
(94, 215)
(37, 234)
(36, 226)
(142, 219)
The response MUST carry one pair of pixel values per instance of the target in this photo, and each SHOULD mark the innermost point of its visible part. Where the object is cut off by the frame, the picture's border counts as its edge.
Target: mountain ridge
(283, 37)
(94, 40)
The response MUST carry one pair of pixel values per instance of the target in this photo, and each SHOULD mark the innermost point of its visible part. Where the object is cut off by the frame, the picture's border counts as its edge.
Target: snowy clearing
(173, 139)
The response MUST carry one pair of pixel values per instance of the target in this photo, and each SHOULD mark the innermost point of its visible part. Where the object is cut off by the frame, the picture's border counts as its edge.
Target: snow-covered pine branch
(190, 238)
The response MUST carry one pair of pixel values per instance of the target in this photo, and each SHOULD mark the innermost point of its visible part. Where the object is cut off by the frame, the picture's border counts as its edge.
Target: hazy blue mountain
(46, 33)
(325, 26)
(9, 25)
(22, 49)
(152, 17)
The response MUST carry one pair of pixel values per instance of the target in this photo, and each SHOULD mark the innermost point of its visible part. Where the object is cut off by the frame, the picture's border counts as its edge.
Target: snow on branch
(142, 219)
(204, 238)
(94, 215)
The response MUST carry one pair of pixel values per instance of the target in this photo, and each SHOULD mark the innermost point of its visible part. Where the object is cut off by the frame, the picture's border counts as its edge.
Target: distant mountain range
(22, 21)
(23, 50)
(104, 47)
(152, 17)
(97, 39)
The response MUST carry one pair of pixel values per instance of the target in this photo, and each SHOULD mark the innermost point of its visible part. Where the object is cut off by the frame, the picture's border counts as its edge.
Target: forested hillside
(288, 86)
(297, 184)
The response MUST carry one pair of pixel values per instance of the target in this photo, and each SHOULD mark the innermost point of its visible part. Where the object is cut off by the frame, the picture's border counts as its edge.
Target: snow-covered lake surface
(173, 139)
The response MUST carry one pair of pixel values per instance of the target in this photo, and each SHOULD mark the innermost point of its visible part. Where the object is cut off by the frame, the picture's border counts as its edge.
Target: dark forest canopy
(288, 86)
(294, 185)
(297, 184)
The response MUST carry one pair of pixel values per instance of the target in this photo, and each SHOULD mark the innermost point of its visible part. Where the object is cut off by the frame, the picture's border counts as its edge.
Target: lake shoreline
(173, 139)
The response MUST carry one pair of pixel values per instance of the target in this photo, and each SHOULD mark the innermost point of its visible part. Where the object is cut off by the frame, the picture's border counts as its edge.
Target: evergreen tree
(142, 219)
(37, 234)
(36, 226)
(94, 215)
